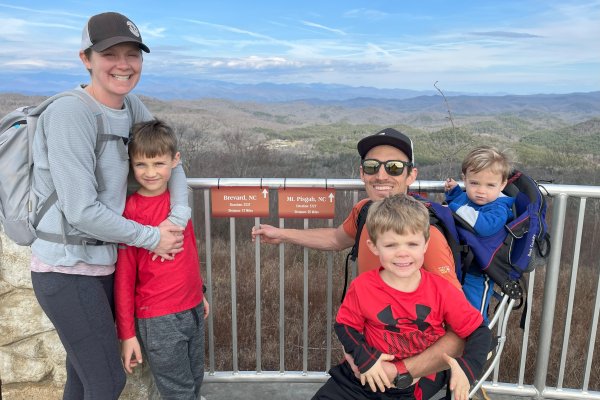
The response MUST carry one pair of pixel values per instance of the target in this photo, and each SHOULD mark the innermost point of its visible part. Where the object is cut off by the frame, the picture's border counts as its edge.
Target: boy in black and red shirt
(398, 310)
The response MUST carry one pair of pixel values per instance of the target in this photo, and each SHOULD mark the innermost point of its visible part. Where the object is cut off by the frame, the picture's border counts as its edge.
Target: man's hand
(131, 354)
(449, 184)
(376, 376)
(459, 384)
(171, 241)
(267, 233)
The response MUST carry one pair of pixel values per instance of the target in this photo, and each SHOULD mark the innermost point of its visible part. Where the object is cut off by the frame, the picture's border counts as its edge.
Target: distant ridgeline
(553, 136)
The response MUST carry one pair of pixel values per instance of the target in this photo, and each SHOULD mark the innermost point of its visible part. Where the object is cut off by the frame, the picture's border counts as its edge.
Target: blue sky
(510, 46)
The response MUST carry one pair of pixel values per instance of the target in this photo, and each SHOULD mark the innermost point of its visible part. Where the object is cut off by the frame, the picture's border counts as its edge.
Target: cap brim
(105, 44)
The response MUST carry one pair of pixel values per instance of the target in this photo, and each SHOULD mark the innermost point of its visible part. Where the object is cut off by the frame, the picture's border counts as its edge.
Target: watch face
(402, 381)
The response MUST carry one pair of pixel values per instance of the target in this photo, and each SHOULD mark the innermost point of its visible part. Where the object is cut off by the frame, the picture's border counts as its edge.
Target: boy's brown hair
(152, 139)
(484, 157)
(401, 214)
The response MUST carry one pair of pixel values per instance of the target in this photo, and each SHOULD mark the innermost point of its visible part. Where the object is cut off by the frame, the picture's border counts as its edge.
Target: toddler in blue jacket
(483, 206)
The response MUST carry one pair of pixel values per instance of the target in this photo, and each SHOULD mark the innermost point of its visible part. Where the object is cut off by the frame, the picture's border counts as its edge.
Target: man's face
(381, 185)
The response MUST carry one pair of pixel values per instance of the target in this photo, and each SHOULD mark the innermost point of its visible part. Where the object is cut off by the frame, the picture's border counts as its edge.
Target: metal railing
(564, 200)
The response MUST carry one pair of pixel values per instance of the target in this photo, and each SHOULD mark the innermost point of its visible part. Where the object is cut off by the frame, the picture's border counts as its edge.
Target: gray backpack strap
(102, 137)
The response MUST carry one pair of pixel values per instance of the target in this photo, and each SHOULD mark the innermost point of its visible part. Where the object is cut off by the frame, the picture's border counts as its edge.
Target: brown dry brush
(270, 288)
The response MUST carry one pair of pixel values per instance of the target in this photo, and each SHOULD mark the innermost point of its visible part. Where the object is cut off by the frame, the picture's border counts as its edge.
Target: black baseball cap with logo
(390, 137)
(108, 29)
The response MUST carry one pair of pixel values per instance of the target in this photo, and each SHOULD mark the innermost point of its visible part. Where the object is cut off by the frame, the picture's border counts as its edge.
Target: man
(387, 168)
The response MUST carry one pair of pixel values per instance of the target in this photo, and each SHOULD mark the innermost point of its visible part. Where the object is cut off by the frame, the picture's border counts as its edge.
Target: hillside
(555, 134)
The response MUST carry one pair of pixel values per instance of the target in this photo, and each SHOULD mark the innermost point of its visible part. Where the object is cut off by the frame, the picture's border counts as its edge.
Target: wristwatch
(402, 381)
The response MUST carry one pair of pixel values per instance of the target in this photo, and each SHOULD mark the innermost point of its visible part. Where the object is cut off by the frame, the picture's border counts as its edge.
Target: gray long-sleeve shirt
(65, 161)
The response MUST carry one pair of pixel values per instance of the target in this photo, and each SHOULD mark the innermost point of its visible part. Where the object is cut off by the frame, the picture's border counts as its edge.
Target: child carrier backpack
(20, 210)
(519, 247)
(439, 216)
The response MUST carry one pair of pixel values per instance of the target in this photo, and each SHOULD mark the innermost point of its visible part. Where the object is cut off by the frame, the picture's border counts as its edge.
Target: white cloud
(31, 63)
(315, 25)
(231, 29)
(248, 63)
(365, 13)
(148, 31)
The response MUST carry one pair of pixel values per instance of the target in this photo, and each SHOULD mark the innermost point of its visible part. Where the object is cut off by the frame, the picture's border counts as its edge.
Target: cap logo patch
(133, 29)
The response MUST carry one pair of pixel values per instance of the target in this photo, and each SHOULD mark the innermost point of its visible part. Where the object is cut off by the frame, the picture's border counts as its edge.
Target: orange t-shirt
(438, 257)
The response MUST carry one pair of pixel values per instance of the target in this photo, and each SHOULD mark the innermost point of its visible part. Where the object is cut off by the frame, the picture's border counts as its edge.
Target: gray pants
(80, 308)
(173, 345)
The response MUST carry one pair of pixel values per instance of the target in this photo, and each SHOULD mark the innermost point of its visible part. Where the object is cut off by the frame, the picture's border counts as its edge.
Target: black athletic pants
(343, 385)
(81, 309)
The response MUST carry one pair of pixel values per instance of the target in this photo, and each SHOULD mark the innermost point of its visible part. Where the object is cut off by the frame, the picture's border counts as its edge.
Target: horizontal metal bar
(565, 394)
(357, 184)
(510, 389)
(266, 376)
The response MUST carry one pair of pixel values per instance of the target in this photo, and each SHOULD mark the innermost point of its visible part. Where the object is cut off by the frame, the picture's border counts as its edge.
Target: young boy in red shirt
(400, 309)
(162, 300)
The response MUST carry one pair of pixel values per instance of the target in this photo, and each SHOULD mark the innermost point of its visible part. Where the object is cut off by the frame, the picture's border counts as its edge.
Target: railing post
(281, 302)
(258, 301)
(234, 327)
(305, 307)
(208, 248)
(572, 288)
(329, 302)
(559, 207)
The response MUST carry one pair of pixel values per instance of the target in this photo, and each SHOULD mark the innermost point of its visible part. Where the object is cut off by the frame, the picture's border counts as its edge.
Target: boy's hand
(459, 384)
(376, 376)
(131, 354)
(449, 184)
(206, 308)
(386, 363)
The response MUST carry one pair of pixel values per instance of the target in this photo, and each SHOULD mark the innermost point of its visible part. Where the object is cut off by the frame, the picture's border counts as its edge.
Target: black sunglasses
(392, 167)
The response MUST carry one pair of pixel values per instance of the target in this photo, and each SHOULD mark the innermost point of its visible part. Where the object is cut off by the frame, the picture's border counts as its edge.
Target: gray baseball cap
(108, 29)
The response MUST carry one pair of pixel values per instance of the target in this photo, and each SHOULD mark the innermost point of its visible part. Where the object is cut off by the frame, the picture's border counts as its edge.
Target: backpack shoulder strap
(360, 224)
(87, 100)
(102, 136)
(361, 218)
(441, 218)
(98, 114)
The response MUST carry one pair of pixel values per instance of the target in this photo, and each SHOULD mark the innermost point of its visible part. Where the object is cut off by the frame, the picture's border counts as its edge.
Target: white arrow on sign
(265, 192)
(331, 197)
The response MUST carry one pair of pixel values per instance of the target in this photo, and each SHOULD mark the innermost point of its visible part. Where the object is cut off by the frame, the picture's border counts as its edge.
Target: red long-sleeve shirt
(146, 288)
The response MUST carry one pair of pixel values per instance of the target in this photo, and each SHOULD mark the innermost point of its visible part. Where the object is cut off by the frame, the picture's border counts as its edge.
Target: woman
(73, 280)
